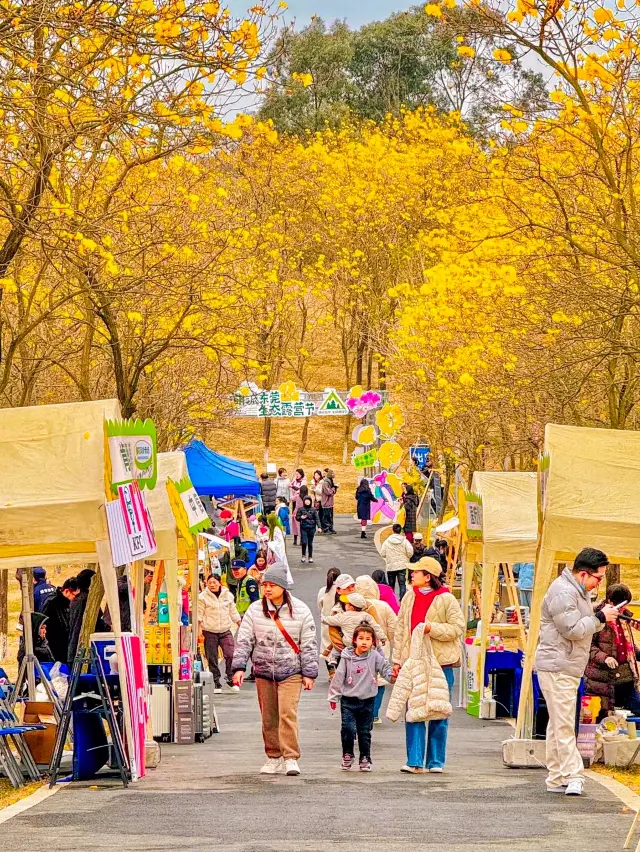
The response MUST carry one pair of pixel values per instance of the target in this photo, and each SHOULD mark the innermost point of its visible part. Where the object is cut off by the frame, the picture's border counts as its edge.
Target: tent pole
(25, 579)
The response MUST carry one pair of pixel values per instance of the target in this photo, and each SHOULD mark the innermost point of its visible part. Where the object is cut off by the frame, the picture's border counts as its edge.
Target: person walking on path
(298, 493)
(283, 485)
(326, 602)
(307, 517)
(422, 695)
(216, 614)
(388, 621)
(268, 492)
(419, 548)
(568, 623)
(316, 494)
(356, 684)
(396, 552)
(386, 592)
(612, 671)
(364, 499)
(430, 604)
(327, 497)
(410, 501)
(284, 515)
(279, 634)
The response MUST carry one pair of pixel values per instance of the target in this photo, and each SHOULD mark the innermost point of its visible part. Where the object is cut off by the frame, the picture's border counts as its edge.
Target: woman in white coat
(421, 693)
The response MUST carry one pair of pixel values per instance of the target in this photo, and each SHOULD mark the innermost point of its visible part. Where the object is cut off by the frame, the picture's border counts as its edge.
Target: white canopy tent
(590, 494)
(509, 535)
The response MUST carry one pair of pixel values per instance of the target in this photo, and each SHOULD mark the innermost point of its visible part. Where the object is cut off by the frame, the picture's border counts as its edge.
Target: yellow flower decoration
(390, 418)
(367, 435)
(244, 391)
(389, 454)
(289, 392)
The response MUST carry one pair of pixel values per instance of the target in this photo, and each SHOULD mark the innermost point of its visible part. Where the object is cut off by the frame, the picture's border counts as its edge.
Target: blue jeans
(431, 753)
(357, 720)
(377, 702)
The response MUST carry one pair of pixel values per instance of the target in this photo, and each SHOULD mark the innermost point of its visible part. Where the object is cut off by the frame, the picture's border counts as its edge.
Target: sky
(356, 12)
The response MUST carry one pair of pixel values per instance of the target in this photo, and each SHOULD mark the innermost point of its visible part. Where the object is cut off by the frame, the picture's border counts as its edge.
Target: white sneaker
(273, 766)
(218, 690)
(436, 770)
(310, 559)
(377, 721)
(234, 688)
(291, 767)
(574, 787)
(414, 770)
(561, 789)
(303, 559)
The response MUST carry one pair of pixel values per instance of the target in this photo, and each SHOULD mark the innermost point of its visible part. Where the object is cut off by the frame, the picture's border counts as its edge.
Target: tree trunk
(369, 369)
(302, 446)
(382, 376)
(612, 576)
(4, 612)
(267, 439)
(345, 444)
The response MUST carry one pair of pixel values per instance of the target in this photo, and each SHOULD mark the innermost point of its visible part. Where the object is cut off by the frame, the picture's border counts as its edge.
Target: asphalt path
(211, 796)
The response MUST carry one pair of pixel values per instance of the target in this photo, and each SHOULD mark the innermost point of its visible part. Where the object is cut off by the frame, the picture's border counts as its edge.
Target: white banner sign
(130, 529)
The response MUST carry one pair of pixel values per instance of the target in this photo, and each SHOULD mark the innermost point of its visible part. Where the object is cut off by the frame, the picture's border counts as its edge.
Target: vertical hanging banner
(133, 452)
(188, 510)
(544, 462)
(473, 505)
(131, 532)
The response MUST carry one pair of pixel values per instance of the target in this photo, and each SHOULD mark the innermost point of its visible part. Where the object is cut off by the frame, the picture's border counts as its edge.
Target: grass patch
(9, 796)
(629, 777)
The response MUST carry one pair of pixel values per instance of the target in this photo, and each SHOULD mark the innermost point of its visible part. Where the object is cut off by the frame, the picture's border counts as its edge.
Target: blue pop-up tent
(215, 475)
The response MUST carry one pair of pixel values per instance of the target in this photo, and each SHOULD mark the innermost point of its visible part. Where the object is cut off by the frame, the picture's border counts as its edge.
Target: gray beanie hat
(277, 574)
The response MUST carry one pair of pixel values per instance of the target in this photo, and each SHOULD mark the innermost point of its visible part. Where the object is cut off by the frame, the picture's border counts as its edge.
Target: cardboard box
(40, 743)
(183, 697)
(185, 729)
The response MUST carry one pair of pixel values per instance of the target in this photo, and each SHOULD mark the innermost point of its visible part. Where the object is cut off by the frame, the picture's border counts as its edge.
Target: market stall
(170, 631)
(215, 475)
(53, 463)
(501, 530)
(589, 482)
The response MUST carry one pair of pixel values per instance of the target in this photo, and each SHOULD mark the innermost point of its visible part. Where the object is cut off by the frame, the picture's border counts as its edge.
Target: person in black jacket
(41, 649)
(410, 501)
(56, 609)
(364, 499)
(268, 491)
(307, 517)
(76, 614)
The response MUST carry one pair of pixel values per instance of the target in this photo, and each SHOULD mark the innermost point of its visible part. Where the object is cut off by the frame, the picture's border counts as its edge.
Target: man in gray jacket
(567, 625)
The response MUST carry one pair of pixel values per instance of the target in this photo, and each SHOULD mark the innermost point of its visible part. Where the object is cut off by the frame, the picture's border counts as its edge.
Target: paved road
(211, 797)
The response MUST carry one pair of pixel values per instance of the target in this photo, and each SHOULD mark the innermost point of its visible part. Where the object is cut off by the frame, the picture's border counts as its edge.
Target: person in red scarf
(429, 602)
(612, 672)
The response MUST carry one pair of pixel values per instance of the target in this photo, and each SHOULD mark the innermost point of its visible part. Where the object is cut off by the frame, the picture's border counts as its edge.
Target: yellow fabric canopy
(592, 492)
(52, 482)
(509, 515)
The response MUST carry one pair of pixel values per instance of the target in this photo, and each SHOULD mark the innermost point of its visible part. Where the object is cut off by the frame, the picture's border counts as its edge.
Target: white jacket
(396, 552)
(447, 627)
(421, 690)
(217, 614)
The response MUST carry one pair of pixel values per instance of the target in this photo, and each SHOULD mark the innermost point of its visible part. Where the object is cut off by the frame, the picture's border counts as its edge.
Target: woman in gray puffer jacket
(278, 634)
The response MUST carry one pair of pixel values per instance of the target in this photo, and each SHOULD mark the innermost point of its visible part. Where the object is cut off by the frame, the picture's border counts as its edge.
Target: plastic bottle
(163, 605)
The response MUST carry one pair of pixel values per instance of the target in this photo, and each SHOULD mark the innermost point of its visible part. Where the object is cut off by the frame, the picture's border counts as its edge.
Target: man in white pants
(568, 623)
